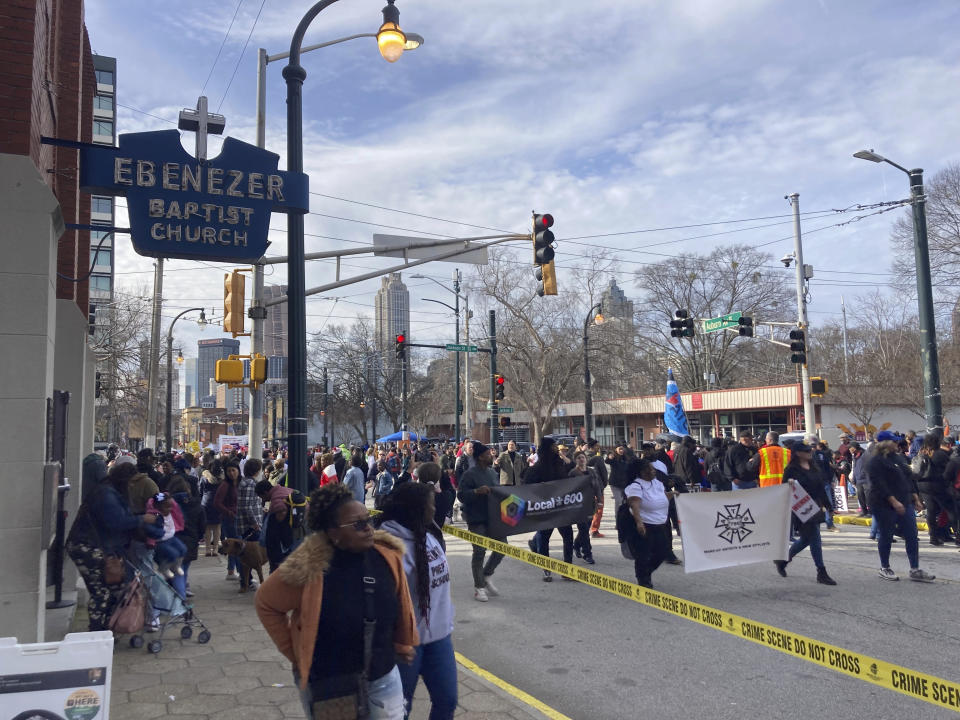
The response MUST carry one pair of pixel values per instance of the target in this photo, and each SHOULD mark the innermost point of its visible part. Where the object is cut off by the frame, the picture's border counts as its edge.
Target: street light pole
(169, 416)
(388, 38)
(933, 400)
(809, 421)
(456, 322)
(587, 382)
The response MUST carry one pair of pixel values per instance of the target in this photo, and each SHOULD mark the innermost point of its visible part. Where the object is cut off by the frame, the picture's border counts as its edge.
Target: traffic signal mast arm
(496, 240)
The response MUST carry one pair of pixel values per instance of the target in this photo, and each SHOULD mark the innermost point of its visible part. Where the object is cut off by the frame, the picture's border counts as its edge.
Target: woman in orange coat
(314, 607)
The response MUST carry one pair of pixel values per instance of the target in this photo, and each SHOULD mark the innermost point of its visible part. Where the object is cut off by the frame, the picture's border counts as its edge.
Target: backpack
(296, 503)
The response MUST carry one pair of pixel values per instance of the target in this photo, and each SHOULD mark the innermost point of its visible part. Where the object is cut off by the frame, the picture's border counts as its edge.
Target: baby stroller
(172, 608)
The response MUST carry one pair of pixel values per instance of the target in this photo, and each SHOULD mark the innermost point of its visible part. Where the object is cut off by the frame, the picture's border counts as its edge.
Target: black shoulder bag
(356, 705)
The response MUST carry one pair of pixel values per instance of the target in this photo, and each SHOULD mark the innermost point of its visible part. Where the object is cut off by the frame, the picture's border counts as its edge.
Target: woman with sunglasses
(314, 607)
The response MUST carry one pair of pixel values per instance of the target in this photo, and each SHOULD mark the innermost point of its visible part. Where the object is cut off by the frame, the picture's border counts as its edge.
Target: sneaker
(597, 534)
(936, 541)
(491, 589)
(480, 595)
(152, 626)
(232, 576)
(588, 559)
(781, 567)
(919, 575)
(189, 593)
(888, 574)
(833, 528)
(547, 576)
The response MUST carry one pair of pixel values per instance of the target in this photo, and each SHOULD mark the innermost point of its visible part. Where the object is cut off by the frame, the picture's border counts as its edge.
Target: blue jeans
(437, 665)
(887, 522)
(828, 488)
(385, 693)
(809, 535)
(228, 528)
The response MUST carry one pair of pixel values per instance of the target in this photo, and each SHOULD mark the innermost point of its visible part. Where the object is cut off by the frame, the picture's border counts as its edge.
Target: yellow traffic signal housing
(234, 285)
(258, 370)
(229, 371)
(818, 387)
(549, 279)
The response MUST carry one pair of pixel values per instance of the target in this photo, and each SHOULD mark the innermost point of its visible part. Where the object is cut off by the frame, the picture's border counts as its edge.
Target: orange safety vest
(773, 459)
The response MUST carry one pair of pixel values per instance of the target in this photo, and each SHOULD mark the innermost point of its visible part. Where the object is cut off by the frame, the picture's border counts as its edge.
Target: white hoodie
(440, 621)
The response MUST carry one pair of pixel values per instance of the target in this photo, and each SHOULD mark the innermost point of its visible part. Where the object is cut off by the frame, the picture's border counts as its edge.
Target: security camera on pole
(801, 336)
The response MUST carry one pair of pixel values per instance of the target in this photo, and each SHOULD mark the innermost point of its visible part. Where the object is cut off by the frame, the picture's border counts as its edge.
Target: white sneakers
(888, 574)
(480, 595)
(491, 589)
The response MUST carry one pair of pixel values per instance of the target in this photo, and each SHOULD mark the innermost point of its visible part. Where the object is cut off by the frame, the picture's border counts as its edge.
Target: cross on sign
(202, 123)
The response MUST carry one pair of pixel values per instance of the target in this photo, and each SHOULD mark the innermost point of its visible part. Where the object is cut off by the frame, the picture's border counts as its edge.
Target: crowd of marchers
(360, 602)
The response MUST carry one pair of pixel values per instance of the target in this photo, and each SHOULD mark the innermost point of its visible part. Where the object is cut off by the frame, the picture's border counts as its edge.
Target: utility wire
(222, 44)
(239, 59)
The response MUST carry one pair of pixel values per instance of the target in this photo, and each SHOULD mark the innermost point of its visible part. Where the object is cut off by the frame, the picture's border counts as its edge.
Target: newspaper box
(68, 680)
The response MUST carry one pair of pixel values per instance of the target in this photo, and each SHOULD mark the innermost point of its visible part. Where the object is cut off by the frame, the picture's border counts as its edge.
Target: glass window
(101, 257)
(101, 204)
(104, 77)
(97, 235)
(103, 102)
(103, 127)
(100, 282)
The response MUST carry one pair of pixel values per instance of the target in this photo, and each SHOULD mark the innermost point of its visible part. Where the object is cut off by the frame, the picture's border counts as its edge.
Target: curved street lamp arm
(440, 302)
(310, 48)
(297, 42)
(170, 330)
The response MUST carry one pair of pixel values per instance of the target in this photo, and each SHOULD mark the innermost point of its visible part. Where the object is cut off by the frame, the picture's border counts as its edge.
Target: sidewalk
(239, 675)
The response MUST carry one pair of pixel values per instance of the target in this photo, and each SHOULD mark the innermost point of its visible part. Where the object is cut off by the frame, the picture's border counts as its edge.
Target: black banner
(515, 509)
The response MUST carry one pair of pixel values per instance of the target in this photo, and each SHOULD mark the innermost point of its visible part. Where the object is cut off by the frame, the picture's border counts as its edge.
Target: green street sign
(506, 410)
(461, 348)
(722, 322)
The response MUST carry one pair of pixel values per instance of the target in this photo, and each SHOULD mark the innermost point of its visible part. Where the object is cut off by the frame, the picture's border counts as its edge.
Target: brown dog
(249, 554)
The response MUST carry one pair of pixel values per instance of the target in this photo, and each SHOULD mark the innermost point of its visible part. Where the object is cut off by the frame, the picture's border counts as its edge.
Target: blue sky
(613, 116)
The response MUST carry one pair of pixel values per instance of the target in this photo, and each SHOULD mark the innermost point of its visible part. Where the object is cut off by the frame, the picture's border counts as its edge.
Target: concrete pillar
(30, 225)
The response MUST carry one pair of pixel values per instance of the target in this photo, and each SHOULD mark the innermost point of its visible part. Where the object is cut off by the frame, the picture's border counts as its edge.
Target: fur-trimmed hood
(312, 558)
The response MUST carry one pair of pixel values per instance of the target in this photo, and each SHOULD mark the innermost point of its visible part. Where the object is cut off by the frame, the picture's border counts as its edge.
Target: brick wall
(48, 91)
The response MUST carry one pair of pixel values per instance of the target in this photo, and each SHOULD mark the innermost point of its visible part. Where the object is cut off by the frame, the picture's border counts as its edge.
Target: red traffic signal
(542, 239)
(401, 339)
(500, 380)
(401, 345)
(542, 222)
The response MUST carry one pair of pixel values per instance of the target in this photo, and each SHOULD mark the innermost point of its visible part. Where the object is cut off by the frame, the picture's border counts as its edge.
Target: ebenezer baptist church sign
(182, 207)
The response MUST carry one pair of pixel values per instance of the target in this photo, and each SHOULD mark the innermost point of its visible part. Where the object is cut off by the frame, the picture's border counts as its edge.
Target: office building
(208, 352)
(275, 326)
(391, 315)
(189, 397)
(104, 132)
(612, 344)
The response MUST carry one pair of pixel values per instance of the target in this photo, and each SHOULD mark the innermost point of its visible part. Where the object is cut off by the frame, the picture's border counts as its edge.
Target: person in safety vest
(771, 461)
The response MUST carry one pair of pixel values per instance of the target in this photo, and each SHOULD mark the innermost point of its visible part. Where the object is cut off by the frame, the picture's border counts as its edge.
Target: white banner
(231, 442)
(739, 527)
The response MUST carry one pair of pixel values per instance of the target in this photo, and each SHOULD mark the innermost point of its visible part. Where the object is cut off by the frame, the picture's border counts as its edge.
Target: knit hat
(885, 435)
(479, 448)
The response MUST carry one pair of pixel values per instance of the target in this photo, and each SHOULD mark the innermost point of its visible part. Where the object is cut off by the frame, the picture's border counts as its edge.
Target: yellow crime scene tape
(929, 688)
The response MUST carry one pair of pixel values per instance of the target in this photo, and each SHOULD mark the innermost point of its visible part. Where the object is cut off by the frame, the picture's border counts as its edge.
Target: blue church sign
(181, 207)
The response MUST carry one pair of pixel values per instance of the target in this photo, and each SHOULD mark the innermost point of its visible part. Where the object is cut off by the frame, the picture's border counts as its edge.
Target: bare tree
(729, 279)
(943, 233)
(538, 339)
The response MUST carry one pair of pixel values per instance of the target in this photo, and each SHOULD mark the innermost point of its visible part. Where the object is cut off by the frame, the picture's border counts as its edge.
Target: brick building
(47, 91)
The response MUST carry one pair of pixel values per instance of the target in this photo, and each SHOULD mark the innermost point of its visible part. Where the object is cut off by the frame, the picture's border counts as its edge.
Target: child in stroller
(169, 550)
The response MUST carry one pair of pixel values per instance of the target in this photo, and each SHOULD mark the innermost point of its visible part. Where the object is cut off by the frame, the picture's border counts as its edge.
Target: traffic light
(229, 371)
(258, 370)
(543, 254)
(401, 345)
(746, 326)
(798, 346)
(818, 387)
(682, 324)
(99, 388)
(542, 239)
(500, 384)
(233, 289)
(547, 277)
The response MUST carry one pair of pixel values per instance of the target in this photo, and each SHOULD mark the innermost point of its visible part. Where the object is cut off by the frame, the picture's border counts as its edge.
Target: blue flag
(673, 416)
